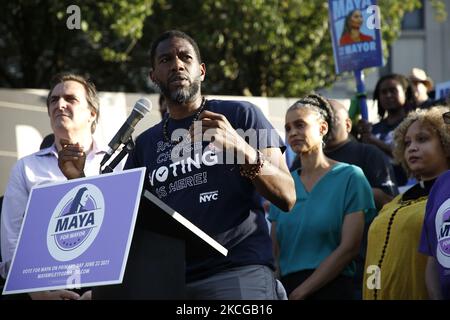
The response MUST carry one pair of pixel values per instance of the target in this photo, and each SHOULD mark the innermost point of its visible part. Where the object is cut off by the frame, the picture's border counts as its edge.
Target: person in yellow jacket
(394, 267)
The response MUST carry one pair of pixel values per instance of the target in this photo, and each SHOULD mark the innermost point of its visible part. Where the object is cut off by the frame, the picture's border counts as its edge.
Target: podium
(162, 241)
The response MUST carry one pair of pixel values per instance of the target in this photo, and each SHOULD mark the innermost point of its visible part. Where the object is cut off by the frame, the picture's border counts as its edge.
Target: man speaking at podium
(215, 191)
(73, 108)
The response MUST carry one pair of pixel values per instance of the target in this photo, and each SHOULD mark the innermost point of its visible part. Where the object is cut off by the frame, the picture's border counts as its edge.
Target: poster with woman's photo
(355, 33)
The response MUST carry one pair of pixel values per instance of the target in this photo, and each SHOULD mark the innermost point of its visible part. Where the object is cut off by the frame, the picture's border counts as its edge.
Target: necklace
(166, 122)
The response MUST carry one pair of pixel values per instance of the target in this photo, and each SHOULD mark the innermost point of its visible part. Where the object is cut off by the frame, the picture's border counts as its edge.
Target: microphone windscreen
(143, 105)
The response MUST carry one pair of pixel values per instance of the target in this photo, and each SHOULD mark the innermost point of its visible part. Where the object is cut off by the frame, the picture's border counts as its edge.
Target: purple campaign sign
(76, 233)
(355, 33)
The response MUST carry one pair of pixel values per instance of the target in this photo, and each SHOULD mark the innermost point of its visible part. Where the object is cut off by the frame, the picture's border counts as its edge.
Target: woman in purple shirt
(435, 240)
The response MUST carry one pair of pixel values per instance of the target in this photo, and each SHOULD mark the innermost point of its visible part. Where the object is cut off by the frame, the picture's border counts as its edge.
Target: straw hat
(419, 75)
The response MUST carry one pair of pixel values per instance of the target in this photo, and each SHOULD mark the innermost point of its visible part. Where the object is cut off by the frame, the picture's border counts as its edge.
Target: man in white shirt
(73, 108)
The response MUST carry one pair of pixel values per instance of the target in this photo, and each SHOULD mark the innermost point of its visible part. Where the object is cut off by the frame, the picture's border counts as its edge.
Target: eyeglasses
(446, 117)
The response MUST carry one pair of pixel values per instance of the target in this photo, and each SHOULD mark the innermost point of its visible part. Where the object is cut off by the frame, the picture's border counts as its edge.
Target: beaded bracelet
(255, 169)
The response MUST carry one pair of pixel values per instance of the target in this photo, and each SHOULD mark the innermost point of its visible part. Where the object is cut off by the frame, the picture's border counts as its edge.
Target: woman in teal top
(317, 240)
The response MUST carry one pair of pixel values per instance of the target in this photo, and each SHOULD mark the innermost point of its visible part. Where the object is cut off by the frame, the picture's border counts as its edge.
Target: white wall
(24, 120)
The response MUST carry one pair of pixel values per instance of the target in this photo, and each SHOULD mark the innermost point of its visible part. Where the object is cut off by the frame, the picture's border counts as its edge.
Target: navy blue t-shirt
(205, 186)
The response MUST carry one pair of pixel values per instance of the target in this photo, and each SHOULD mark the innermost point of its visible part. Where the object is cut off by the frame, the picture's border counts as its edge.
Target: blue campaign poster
(355, 33)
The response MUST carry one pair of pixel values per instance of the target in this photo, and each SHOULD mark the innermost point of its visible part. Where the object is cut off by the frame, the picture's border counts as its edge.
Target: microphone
(141, 107)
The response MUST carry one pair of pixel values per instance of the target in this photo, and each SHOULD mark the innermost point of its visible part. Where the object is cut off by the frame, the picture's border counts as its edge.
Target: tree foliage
(251, 47)
(36, 43)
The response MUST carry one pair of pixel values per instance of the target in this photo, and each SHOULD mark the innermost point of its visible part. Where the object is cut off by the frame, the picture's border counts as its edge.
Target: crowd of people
(336, 215)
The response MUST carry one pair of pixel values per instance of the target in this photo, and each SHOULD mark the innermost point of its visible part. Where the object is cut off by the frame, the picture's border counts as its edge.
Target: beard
(181, 95)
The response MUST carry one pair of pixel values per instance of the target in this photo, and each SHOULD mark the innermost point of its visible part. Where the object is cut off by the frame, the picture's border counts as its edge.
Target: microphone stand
(129, 146)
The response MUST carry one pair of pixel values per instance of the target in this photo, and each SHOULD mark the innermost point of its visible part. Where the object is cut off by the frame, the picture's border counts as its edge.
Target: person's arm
(13, 210)
(364, 128)
(380, 174)
(274, 182)
(332, 266)
(86, 296)
(275, 248)
(432, 279)
(381, 198)
(54, 295)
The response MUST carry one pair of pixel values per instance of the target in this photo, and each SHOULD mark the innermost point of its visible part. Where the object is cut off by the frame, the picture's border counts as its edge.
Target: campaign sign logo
(442, 224)
(355, 34)
(75, 222)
